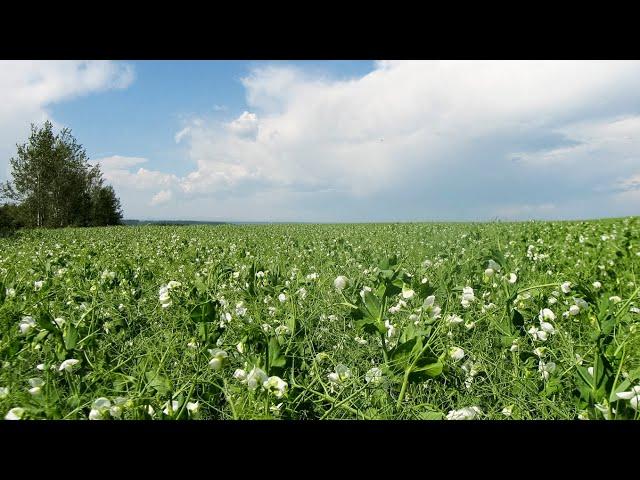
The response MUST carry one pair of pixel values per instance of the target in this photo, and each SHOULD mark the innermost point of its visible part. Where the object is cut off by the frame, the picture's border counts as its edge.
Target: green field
(536, 320)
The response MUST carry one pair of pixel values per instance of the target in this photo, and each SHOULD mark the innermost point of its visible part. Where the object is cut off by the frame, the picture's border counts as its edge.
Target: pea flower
(240, 374)
(546, 369)
(100, 409)
(632, 395)
(574, 310)
(615, 299)
(468, 297)
(38, 285)
(163, 296)
(341, 374)
(546, 314)
(513, 278)
(193, 407)
(36, 386)
(256, 377)
(565, 287)
(276, 386)
(373, 375)
(218, 358)
(467, 413)
(171, 407)
(453, 319)
(456, 353)
(26, 324)
(15, 413)
(495, 266)
(430, 307)
(282, 297)
(68, 365)
(4, 392)
(597, 285)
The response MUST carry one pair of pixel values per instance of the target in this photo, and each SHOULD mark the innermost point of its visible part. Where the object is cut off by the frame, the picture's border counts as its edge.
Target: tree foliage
(54, 185)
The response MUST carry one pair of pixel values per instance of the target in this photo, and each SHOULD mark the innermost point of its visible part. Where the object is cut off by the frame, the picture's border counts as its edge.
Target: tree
(55, 185)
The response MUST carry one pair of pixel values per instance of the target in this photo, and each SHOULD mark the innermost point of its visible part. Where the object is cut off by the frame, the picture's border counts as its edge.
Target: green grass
(105, 283)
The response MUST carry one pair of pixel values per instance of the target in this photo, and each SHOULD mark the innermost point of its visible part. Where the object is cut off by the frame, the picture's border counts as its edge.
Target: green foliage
(246, 321)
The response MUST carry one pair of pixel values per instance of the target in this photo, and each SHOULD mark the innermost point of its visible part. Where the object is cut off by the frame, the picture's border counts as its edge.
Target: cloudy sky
(344, 141)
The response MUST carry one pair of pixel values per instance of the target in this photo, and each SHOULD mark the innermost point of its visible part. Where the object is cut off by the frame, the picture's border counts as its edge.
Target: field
(536, 320)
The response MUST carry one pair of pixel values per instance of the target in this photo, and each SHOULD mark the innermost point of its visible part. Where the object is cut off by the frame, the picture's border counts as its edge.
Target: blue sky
(344, 140)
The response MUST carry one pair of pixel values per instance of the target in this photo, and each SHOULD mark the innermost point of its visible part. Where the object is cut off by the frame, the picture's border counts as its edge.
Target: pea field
(406, 321)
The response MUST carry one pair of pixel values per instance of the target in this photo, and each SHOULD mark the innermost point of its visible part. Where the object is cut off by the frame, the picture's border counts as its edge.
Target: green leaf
(276, 359)
(159, 383)
(70, 336)
(204, 312)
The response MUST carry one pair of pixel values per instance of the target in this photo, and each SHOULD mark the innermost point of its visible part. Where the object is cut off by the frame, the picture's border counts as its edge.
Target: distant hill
(170, 222)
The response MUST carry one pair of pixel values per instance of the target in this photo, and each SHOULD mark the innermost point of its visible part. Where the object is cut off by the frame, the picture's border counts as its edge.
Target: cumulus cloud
(422, 140)
(162, 197)
(29, 88)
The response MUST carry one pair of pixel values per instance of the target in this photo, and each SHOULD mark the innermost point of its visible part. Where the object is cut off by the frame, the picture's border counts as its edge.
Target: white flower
(574, 310)
(173, 284)
(597, 285)
(552, 300)
(632, 395)
(171, 407)
(193, 407)
(100, 409)
(312, 276)
(537, 334)
(59, 321)
(546, 314)
(391, 329)
(240, 375)
(507, 411)
(341, 374)
(453, 319)
(163, 296)
(302, 292)
(489, 272)
(467, 413)
(260, 274)
(282, 297)
(218, 358)
(10, 292)
(4, 392)
(38, 285)
(255, 378)
(540, 351)
(360, 340)
(276, 386)
(513, 278)
(514, 346)
(26, 324)
(468, 297)
(547, 327)
(581, 303)
(15, 414)
(373, 375)
(340, 282)
(282, 330)
(192, 345)
(364, 291)
(565, 287)
(407, 293)
(68, 364)
(615, 299)
(456, 353)
(546, 368)
(36, 385)
(431, 308)
(241, 310)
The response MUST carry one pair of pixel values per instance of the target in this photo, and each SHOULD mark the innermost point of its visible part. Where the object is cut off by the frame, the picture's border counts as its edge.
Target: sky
(343, 141)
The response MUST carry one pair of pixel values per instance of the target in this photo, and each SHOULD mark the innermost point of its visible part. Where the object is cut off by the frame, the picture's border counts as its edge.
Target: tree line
(54, 185)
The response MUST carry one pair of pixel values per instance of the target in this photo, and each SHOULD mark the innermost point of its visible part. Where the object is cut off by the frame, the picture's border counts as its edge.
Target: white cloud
(245, 126)
(434, 133)
(162, 197)
(29, 88)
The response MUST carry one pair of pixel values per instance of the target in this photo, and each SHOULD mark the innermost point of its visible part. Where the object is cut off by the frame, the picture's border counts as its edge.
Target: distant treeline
(54, 185)
(170, 222)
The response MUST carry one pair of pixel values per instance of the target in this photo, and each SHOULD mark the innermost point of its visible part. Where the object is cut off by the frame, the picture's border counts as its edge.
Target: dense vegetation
(54, 185)
(533, 320)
